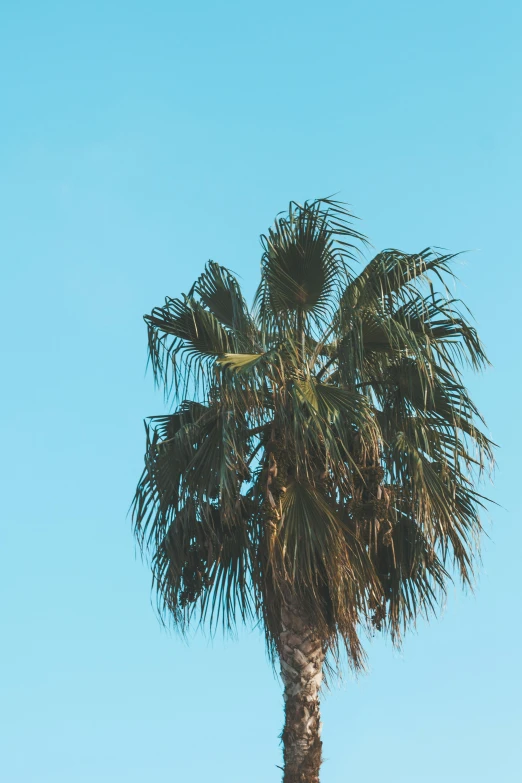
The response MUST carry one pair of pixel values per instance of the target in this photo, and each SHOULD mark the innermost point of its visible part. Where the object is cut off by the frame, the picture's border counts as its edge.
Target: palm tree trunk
(301, 657)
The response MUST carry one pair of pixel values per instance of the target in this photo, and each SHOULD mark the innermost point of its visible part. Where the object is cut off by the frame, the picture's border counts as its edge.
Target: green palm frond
(218, 290)
(393, 275)
(306, 256)
(183, 330)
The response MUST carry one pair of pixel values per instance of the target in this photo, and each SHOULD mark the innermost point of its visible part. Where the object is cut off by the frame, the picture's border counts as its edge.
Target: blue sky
(137, 141)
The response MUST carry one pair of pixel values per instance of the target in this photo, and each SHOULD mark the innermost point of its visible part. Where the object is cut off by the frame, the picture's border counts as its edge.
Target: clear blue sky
(137, 141)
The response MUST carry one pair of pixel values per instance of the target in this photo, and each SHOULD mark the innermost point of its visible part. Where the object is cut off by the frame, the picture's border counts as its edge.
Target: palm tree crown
(324, 449)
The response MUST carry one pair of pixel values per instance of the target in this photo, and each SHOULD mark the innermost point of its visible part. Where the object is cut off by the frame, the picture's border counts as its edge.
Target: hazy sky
(138, 140)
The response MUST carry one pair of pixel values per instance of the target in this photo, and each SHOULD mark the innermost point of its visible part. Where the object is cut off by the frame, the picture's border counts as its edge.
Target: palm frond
(306, 256)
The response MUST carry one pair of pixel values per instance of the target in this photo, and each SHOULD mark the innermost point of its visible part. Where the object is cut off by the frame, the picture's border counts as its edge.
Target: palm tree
(319, 472)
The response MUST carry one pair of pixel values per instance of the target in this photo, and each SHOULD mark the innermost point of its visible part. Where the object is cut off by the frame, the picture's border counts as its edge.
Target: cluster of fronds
(330, 449)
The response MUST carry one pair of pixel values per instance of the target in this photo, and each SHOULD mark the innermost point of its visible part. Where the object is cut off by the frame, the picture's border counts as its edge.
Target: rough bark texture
(302, 656)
